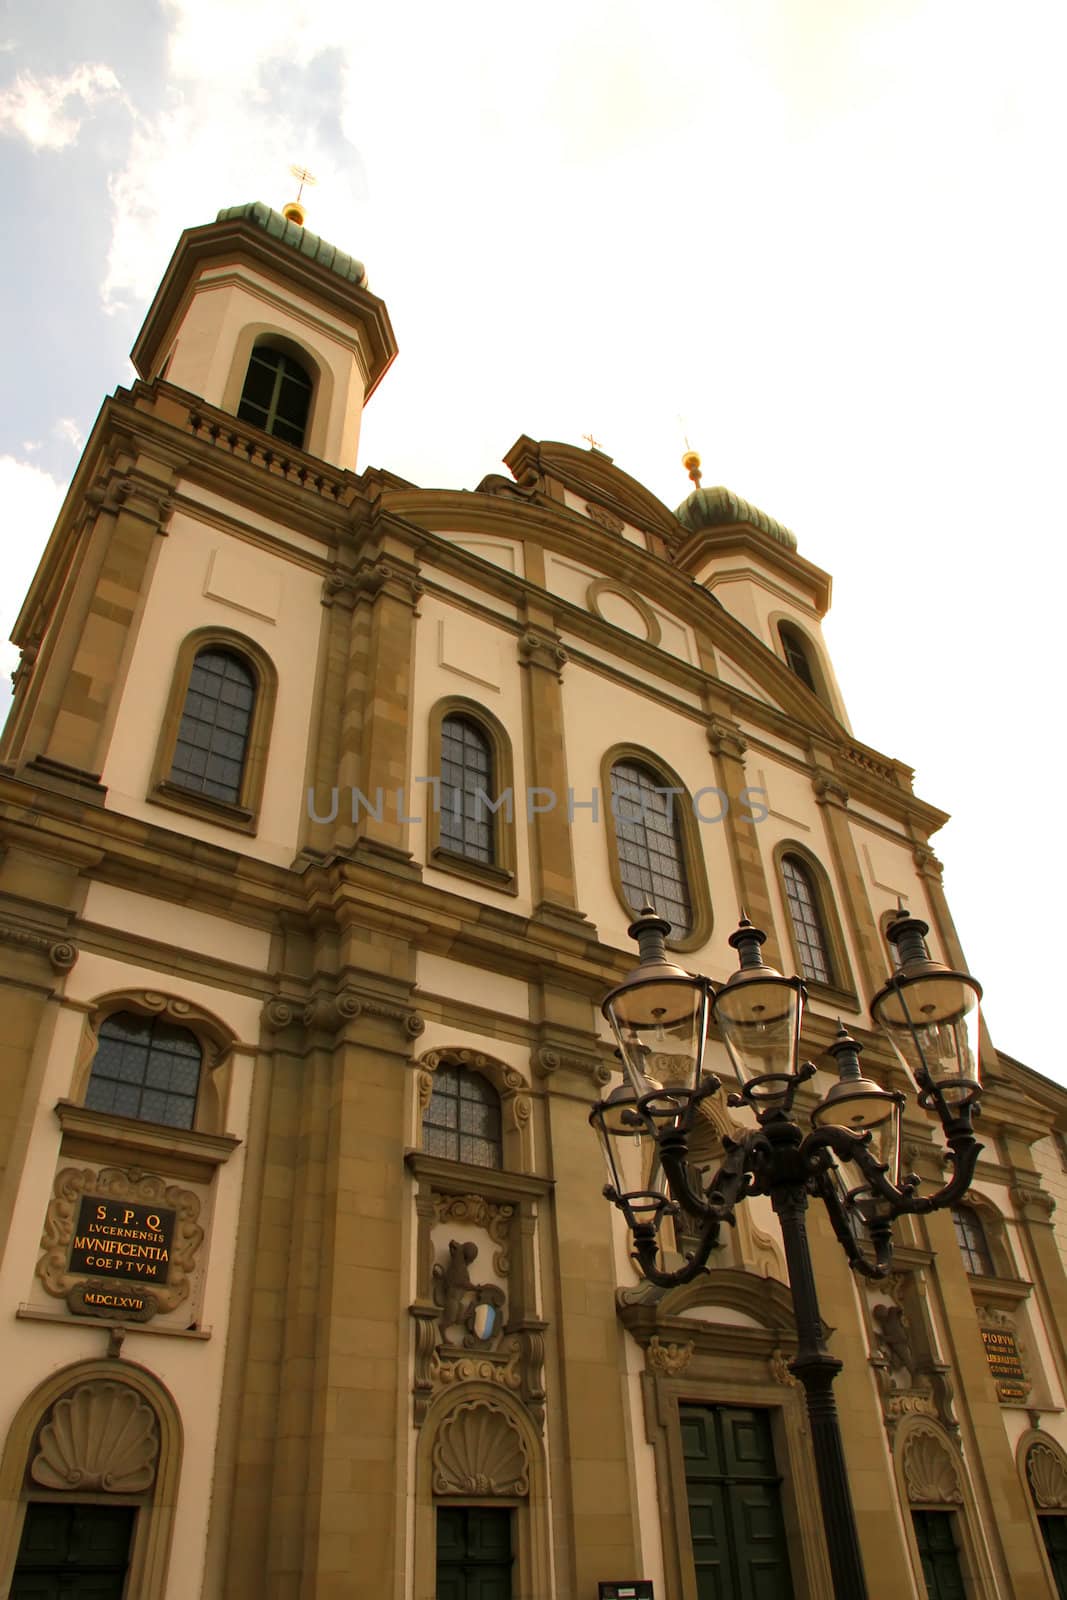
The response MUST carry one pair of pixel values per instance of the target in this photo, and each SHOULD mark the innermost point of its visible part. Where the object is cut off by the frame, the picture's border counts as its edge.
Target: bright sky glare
(821, 239)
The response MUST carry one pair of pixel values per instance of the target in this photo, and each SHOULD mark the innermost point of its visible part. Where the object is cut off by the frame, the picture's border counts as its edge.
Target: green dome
(720, 508)
(309, 244)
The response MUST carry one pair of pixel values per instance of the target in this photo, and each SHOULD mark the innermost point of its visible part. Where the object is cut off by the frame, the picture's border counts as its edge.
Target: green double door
(1054, 1533)
(735, 1505)
(73, 1552)
(935, 1535)
(473, 1553)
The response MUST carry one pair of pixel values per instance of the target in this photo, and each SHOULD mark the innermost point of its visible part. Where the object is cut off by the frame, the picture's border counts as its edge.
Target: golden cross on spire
(295, 211)
(594, 444)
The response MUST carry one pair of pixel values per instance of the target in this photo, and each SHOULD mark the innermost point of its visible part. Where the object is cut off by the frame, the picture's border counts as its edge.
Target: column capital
(541, 647)
(829, 789)
(725, 738)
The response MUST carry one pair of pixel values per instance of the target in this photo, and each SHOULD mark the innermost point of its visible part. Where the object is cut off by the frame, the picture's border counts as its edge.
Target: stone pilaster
(372, 749)
(727, 744)
(832, 795)
(986, 1445)
(543, 658)
(70, 711)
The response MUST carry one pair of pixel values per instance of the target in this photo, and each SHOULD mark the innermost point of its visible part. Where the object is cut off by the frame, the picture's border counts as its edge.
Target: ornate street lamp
(849, 1159)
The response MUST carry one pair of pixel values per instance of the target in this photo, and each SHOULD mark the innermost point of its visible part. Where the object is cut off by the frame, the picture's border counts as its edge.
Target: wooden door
(1054, 1533)
(474, 1556)
(73, 1552)
(735, 1511)
(935, 1534)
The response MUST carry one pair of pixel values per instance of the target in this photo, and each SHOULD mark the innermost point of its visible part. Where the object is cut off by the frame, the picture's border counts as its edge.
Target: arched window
(462, 1120)
(649, 841)
(971, 1238)
(209, 754)
(797, 653)
(467, 780)
(803, 902)
(277, 395)
(147, 1068)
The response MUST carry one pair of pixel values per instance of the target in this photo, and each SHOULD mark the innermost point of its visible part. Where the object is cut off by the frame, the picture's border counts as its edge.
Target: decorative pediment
(594, 477)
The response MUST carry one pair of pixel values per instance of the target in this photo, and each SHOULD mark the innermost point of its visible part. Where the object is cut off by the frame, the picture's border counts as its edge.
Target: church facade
(326, 802)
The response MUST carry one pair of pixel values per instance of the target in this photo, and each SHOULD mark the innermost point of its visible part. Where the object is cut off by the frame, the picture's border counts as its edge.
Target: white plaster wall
(179, 927)
(190, 1369)
(229, 298)
(176, 605)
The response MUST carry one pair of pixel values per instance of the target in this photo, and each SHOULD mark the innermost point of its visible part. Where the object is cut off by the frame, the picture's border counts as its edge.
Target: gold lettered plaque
(119, 1243)
(1006, 1365)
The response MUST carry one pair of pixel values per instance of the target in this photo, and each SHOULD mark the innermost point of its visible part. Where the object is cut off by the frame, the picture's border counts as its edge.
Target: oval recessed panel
(615, 608)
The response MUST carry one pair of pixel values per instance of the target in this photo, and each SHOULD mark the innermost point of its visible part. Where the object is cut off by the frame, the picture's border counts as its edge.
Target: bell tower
(255, 293)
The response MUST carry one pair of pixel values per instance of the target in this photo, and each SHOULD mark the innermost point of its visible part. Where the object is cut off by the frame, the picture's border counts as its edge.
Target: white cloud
(48, 112)
(66, 428)
(31, 500)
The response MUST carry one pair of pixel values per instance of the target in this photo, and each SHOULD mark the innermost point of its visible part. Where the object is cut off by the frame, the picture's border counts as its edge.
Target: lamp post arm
(965, 1150)
(729, 1185)
(879, 1232)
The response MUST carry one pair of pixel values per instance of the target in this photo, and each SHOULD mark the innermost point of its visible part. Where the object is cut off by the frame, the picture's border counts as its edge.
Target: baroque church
(326, 802)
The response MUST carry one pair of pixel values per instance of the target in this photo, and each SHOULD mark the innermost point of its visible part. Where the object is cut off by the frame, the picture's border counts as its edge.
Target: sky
(821, 239)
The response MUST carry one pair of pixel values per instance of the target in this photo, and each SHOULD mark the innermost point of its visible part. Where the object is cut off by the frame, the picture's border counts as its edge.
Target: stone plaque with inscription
(1005, 1363)
(119, 1243)
(122, 1239)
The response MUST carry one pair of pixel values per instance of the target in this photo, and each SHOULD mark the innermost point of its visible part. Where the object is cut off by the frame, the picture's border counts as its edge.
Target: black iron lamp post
(849, 1159)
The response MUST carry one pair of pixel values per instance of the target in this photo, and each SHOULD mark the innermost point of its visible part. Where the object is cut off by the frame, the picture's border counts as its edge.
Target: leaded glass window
(145, 1067)
(649, 842)
(212, 743)
(277, 395)
(971, 1238)
(466, 786)
(462, 1120)
(808, 930)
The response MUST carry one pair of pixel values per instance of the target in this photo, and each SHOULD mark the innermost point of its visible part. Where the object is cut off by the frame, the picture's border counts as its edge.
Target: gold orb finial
(691, 463)
(295, 211)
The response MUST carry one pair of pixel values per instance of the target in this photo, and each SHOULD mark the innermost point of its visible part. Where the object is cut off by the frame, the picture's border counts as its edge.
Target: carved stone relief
(471, 1313)
(912, 1380)
(1047, 1476)
(102, 1435)
(474, 1313)
(669, 1358)
(930, 1471)
(479, 1451)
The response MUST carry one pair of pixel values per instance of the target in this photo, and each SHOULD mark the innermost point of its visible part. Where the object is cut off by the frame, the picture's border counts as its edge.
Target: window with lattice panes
(466, 822)
(462, 1121)
(147, 1068)
(649, 844)
(809, 933)
(212, 744)
(277, 395)
(973, 1243)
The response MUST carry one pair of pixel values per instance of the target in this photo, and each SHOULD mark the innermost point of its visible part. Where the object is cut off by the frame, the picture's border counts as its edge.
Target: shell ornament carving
(1048, 1478)
(100, 1436)
(478, 1451)
(930, 1471)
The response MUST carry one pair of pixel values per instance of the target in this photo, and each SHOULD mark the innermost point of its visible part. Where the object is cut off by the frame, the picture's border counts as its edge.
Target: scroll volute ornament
(930, 1471)
(479, 1451)
(101, 1435)
(1048, 1478)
